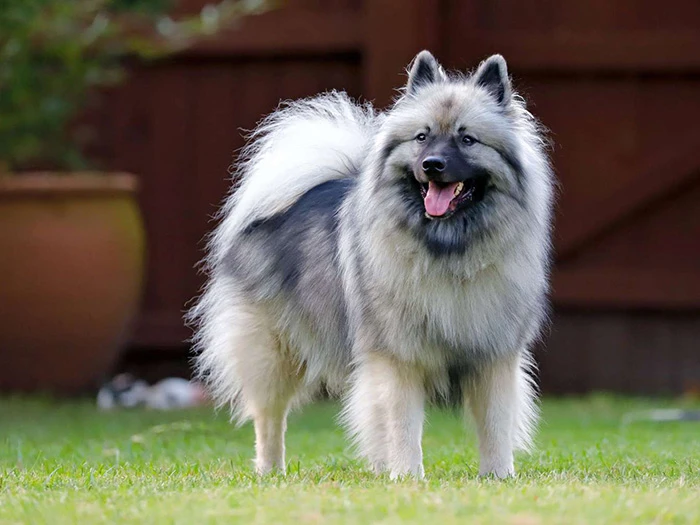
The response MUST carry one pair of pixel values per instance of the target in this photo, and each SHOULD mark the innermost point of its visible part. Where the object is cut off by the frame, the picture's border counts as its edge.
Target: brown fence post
(395, 30)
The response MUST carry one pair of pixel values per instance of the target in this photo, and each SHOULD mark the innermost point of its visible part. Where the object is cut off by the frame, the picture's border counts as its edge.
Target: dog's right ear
(492, 74)
(424, 70)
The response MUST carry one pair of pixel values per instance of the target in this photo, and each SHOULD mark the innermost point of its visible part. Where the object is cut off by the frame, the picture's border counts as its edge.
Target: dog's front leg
(384, 414)
(501, 400)
(365, 414)
(403, 396)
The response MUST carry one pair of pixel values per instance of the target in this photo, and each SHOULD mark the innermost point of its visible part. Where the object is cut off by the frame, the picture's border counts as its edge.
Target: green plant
(54, 53)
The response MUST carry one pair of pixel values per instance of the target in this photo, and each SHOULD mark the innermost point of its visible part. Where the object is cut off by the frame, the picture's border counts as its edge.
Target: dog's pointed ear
(424, 70)
(493, 75)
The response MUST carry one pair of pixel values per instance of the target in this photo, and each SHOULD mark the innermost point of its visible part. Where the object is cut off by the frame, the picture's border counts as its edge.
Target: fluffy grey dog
(388, 256)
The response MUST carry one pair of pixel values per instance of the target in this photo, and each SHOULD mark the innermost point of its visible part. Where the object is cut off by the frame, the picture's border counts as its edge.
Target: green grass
(68, 463)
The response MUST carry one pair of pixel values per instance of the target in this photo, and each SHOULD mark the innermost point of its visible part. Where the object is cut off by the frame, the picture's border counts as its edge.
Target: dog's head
(456, 152)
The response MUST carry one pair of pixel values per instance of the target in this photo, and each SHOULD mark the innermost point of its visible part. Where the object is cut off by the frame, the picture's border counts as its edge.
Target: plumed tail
(301, 145)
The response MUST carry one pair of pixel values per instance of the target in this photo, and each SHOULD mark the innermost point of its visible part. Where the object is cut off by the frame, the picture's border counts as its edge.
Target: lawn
(68, 463)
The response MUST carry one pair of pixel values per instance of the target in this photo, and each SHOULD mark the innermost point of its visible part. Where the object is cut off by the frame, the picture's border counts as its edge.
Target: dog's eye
(421, 137)
(468, 140)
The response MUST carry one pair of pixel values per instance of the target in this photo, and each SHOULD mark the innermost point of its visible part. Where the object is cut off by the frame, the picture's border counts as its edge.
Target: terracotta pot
(71, 272)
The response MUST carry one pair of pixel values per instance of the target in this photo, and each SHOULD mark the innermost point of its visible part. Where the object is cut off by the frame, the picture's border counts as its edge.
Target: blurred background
(617, 82)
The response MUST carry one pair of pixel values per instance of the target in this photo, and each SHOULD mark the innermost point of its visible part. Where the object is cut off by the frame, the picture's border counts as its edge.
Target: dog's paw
(498, 472)
(416, 472)
(265, 468)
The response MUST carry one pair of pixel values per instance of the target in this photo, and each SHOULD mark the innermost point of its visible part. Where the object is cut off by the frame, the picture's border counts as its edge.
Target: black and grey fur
(327, 267)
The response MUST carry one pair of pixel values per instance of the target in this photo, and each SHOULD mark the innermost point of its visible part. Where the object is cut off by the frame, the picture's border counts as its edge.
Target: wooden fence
(616, 82)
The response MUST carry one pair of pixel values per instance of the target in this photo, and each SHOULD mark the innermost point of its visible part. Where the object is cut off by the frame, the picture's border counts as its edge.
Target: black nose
(434, 164)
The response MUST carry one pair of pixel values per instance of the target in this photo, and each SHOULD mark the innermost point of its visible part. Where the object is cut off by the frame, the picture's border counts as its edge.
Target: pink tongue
(438, 198)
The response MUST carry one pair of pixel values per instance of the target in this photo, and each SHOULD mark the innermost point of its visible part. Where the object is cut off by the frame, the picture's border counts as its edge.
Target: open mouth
(443, 199)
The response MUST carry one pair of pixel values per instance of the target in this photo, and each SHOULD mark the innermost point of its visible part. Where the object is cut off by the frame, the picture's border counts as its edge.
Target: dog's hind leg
(270, 426)
(248, 369)
(271, 382)
(502, 402)
(385, 414)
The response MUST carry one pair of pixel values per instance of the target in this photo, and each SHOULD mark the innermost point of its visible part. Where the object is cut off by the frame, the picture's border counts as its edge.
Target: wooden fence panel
(616, 82)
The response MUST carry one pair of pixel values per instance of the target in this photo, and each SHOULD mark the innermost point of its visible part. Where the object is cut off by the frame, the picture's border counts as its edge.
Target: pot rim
(68, 183)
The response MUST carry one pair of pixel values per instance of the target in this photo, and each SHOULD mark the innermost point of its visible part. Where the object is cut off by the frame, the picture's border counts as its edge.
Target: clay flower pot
(71, 273)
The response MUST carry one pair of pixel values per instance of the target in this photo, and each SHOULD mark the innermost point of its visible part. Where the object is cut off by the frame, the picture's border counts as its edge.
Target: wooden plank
(627, 288)
(170, 167)
(124, 133)
(218, 90)
(161, 329)
(640, 352)
(286, 32)
(395, 31)
(663, 237)
(564, 51)
(593, 219)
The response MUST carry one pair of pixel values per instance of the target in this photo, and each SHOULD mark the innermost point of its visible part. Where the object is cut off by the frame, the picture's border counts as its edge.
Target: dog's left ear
(493, 75)
(424, 70)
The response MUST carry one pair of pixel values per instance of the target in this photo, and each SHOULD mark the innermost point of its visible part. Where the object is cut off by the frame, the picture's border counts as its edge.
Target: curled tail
(299, 146)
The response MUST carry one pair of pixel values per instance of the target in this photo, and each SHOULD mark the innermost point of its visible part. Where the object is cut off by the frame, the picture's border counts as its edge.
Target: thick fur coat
(387, 256)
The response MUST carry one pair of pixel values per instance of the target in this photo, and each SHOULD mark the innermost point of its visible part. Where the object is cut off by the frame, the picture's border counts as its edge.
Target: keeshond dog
(388, 256)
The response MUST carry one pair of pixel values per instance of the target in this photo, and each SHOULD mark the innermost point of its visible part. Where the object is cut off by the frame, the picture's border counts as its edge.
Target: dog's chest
(430, 315)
